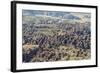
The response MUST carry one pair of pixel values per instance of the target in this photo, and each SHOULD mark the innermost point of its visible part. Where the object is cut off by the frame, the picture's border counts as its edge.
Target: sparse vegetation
(49, 38)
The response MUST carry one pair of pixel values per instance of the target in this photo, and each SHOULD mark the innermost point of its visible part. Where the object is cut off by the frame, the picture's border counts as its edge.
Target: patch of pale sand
(69, 48)
(64, 47)
(29, 46)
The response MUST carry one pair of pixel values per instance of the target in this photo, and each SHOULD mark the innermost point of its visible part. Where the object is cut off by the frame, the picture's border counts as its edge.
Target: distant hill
(32, 16)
